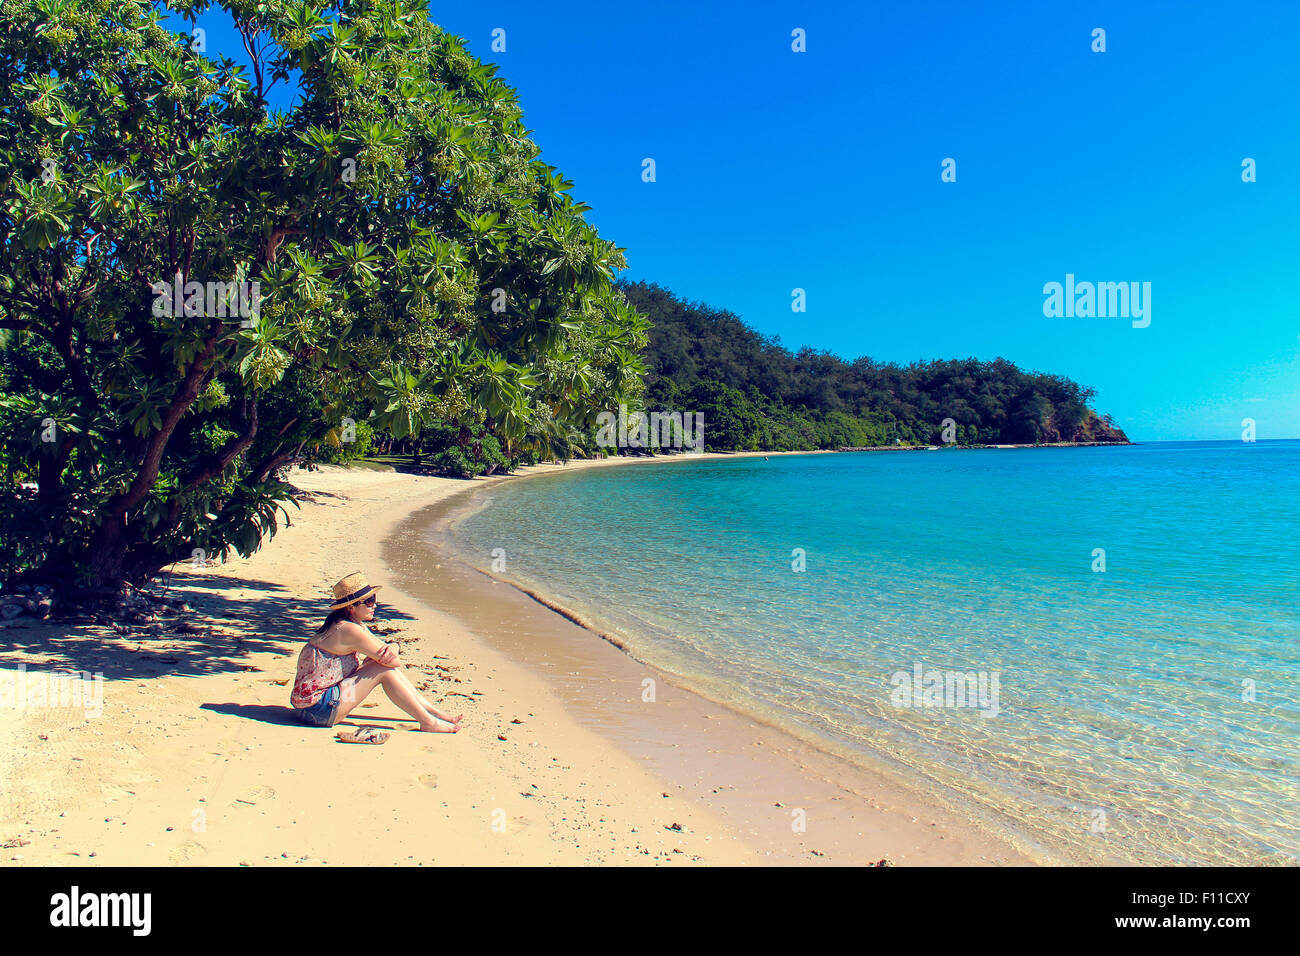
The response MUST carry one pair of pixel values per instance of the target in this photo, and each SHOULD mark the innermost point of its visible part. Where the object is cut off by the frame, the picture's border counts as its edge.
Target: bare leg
(353, 690)
(400, 691)
(399, 674)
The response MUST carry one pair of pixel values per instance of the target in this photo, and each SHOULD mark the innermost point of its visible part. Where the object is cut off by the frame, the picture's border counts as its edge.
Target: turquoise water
(1146, 713)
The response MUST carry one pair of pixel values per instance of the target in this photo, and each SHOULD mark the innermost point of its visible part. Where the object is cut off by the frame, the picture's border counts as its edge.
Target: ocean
(1100, 643)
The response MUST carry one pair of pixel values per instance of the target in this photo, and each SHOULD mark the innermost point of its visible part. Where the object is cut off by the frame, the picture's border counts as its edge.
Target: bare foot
(437, 728)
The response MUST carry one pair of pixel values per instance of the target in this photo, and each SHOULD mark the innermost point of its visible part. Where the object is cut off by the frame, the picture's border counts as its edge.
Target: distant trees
(756, 394)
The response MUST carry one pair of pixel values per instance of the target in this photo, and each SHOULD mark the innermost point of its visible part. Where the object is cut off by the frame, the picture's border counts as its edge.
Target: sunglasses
(370, 601)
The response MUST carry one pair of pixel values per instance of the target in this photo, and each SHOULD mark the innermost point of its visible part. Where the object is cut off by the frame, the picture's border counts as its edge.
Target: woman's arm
(359, 639)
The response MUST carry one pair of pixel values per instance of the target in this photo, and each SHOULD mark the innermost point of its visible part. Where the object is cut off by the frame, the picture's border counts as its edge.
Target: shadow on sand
(246, 617)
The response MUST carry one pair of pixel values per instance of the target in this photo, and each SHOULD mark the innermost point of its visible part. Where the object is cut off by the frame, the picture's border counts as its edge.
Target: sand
(196, 759)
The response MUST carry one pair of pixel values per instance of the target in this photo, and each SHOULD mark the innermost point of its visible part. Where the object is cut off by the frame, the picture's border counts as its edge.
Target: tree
(731, 422)
(394, 222)
(807, 400)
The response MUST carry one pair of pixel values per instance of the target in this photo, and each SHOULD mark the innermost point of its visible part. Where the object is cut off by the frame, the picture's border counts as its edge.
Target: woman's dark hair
(334, 616)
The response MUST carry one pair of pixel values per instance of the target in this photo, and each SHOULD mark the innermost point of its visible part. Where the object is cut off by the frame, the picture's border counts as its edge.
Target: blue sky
(821, 170)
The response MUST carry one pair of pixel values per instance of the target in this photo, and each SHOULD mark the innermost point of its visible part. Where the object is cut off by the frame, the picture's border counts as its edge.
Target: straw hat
(352, 589)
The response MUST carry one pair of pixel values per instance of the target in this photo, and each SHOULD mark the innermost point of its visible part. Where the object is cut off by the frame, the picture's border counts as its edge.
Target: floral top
(318, 671)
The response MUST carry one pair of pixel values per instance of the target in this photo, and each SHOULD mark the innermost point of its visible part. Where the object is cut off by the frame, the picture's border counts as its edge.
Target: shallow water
(1145, 712)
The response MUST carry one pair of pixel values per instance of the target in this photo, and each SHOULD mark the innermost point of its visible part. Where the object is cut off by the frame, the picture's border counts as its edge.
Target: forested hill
(756, 394)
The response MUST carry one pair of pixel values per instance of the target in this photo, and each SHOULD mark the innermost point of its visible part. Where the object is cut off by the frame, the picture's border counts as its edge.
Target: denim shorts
(321, 713)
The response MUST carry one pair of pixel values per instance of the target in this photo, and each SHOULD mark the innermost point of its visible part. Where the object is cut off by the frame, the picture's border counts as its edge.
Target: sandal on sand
(362, 735)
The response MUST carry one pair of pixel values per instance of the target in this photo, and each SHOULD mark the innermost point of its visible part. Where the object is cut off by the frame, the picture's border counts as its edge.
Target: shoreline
(955, 447)
(715, 743)
(197, 760)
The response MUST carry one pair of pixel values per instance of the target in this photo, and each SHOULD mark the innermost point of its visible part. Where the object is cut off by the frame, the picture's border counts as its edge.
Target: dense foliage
(756, 394)
(416, 264)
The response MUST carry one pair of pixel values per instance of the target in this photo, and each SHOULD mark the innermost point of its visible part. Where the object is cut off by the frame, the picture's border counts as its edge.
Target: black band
(354, 595)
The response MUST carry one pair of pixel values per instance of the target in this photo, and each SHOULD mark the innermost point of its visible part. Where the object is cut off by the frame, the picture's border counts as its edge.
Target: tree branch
(262, 471)
(217, 462)
(149, 466)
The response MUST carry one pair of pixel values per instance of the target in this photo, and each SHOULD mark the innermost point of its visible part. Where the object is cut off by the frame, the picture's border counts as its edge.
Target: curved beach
(757, 775)
(1117, 737)
(193, 758)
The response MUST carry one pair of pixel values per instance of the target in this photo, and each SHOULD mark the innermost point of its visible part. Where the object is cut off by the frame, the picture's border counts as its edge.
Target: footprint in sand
(429, 780)
(187, 851)
(256, 795)
(111, 792)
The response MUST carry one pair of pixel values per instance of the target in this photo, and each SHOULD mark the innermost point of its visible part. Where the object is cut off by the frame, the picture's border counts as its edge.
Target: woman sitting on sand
(331, 679)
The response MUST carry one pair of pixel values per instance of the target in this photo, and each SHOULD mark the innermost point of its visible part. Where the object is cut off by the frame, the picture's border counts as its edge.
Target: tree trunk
(106, 556)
